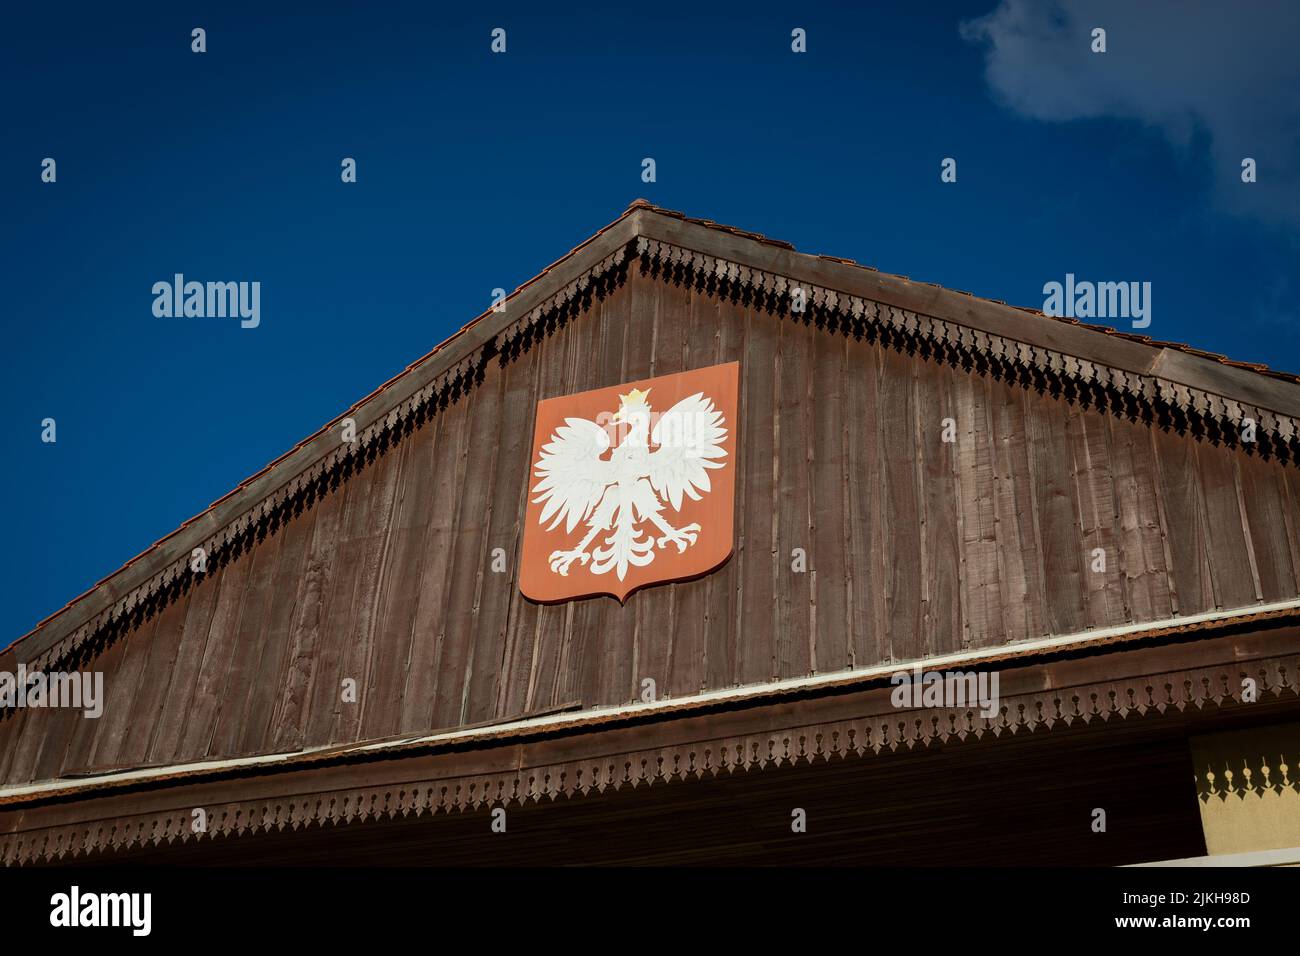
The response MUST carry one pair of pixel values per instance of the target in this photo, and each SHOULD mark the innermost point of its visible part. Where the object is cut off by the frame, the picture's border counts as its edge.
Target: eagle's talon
(681, 537)
(560, 561)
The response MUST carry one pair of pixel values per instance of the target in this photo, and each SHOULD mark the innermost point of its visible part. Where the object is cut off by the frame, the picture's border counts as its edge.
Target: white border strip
(1287, 857)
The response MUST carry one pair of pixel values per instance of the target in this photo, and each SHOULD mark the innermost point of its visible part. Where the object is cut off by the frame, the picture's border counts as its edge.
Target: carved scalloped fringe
(445, 388)
(1255, 773)
(889, 731)
(940, 334)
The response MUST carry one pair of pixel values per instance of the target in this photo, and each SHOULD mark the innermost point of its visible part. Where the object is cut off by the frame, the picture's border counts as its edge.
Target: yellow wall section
(1248, 785)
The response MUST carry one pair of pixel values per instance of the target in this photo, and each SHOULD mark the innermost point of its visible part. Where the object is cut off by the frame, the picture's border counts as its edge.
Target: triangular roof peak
(1209, 393)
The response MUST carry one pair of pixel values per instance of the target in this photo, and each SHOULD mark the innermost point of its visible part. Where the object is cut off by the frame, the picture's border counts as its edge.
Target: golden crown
(634, 397)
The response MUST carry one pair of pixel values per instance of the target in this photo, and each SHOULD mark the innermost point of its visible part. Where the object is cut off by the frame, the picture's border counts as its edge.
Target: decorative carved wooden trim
(229, 541)
(1257, 761)
(881, 728)
(1162, 402)
(1251, 774)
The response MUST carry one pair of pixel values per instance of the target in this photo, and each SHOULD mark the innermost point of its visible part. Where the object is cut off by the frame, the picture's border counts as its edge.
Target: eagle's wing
(572, 472)
(689, 436)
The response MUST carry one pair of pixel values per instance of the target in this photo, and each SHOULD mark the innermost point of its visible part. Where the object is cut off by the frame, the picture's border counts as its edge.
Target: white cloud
(1228, 71)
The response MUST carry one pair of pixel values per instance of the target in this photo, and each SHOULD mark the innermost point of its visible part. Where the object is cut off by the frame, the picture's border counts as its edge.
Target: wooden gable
(1075, 496)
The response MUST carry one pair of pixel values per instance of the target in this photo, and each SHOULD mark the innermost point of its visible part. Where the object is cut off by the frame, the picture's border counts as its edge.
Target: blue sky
(476, 170)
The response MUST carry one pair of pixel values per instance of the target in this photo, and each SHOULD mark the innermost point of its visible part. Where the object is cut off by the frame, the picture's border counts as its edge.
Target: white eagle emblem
(615, 495)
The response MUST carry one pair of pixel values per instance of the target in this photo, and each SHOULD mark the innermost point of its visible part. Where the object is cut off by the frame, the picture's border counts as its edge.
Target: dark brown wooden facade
(375, 563)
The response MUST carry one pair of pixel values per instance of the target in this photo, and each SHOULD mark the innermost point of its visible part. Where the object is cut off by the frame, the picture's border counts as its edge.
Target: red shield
(631, 485)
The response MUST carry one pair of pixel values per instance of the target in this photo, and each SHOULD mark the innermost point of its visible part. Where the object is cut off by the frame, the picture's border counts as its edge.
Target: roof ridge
(1259, 367)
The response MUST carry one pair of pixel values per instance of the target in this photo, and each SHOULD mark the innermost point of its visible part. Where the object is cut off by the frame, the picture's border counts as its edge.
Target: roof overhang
(1185, 671)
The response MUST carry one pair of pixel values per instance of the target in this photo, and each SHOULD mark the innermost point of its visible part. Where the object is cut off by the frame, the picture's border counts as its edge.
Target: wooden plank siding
(914, 545)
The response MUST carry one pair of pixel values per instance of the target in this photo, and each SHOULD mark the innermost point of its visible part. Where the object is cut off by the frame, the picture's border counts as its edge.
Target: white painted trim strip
(603, 715)
(1287, 857)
